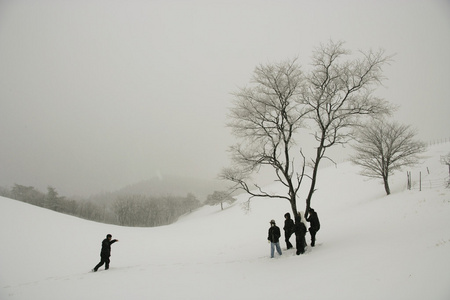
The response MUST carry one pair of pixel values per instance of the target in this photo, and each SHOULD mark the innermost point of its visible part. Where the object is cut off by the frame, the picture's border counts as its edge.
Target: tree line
(128, 210)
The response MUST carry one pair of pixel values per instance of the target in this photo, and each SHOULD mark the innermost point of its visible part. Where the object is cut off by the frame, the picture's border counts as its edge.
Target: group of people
(290, 227)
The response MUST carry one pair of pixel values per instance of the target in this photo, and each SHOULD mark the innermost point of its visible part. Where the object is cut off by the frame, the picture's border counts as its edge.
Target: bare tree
(190, 203)
(219, 197)
(265, 117)
(339, 95)
(330, 100)
(385, 147)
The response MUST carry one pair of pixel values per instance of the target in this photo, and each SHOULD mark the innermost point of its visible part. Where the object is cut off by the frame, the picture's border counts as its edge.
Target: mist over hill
(169, 185)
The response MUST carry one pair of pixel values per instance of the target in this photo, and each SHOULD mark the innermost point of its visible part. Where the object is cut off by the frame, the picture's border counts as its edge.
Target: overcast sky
(95, 95)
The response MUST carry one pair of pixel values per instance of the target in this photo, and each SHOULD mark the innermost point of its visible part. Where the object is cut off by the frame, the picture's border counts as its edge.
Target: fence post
(408, 180)
(420, 181)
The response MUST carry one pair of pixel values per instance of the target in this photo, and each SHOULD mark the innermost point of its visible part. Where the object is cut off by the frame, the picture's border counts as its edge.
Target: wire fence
(427, 181)
(428, 184)
(417, 181)
(438, 141)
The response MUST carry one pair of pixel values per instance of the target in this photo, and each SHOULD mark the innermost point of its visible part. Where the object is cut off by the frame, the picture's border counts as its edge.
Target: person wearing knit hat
(274, 238)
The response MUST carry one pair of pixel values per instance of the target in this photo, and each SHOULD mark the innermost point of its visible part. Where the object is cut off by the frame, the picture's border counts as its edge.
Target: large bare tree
(329, 100)
(265, 117)
(385, 147)
(339, 95)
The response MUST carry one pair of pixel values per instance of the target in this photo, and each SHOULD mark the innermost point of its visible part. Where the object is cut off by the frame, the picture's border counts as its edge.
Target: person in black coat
(313, 219)
(274, 238)
(105, 253)
(288, 229)
(300, 232)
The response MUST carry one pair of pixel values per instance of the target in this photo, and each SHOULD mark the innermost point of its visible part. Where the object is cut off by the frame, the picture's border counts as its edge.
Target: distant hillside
(171, 185)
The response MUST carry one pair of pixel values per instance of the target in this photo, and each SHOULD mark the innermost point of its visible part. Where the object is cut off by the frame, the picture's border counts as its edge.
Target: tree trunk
(319, 155)
(294, 206)
(386, 185)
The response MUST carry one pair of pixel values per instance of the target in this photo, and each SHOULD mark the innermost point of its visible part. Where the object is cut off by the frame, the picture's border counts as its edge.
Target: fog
(96, 95)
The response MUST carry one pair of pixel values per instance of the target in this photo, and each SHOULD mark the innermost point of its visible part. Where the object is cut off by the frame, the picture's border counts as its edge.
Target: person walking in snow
(313, 219)
(288, 229)
(300, 232)
(274, 238)
(105, 253)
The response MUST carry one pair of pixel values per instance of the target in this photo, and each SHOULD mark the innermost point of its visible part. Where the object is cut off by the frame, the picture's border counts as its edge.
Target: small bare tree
(385, 147)
(219, 197)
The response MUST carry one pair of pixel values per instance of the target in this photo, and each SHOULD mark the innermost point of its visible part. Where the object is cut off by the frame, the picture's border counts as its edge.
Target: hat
(108, 236)
(272, 221)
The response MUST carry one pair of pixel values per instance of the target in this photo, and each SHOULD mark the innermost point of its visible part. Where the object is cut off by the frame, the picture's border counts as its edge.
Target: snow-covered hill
(370, 246)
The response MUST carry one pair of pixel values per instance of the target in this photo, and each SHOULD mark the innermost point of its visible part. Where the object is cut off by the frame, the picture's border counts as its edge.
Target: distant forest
(125, 210)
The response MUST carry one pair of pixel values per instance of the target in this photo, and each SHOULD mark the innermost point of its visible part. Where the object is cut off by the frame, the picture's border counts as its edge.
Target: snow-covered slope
(370, 246)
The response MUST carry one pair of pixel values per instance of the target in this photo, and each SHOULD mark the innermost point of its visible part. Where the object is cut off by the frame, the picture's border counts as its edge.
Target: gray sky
(95, 95)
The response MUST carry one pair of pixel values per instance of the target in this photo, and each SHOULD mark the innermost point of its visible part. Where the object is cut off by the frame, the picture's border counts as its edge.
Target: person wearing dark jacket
(313, 219)
(105, 253)
(274, 238)
(300, 232)
(288, 229)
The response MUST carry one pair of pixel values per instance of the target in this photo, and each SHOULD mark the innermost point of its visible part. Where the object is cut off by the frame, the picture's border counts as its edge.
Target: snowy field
(370, 246)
